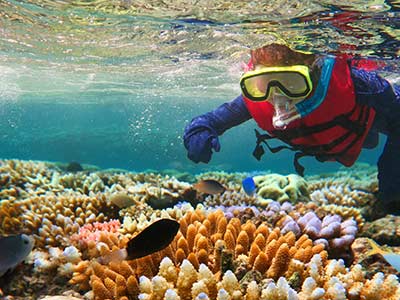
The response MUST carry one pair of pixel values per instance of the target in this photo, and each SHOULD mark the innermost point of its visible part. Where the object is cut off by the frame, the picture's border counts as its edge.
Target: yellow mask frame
(292, 81)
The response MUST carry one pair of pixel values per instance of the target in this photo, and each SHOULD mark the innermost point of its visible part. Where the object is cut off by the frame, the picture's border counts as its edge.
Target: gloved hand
(201, 135)
(199, 142)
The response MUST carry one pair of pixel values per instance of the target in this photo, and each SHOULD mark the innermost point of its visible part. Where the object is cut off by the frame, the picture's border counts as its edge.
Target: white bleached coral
(330, 280)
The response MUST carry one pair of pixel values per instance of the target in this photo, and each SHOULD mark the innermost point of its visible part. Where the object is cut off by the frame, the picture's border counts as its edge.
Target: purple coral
(275, 208)
(238, 210)
(331, 231)
(290, 225)
(310, 224)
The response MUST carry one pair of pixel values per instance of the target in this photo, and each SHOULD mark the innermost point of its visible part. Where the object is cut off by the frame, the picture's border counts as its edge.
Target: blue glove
(199, 142)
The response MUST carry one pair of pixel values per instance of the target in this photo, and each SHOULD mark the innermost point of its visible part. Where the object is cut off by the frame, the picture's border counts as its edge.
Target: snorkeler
(319, 105)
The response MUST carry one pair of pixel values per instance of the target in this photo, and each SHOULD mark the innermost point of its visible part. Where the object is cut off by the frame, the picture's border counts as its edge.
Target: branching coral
(324, 281)
(345, 196)
(218, 244)
(52, 218)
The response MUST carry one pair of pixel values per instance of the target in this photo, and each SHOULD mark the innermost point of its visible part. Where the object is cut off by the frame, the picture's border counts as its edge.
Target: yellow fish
(391, 257)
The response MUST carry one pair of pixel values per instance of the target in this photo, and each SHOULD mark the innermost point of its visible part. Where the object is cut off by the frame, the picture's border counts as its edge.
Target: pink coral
(92, 232)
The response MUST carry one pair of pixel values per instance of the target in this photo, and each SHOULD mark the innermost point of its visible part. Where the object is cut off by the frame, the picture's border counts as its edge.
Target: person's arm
(201, 134)
(378, 93)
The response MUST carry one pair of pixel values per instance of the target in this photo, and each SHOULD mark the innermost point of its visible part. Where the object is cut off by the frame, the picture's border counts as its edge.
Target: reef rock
(384, 231)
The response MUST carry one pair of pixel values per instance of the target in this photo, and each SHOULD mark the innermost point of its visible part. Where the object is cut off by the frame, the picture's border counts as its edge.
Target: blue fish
(249, 186)
(13, 250)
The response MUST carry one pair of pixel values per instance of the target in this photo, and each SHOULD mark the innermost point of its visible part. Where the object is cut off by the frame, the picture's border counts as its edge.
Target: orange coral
(264, 250)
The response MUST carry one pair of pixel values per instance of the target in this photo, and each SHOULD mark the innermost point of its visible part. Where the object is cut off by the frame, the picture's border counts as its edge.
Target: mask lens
(290, 83)
(257, 86)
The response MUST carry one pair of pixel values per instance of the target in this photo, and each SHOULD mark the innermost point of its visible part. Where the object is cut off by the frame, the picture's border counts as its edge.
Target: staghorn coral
(22, 179)
(230, 180)
(292, 188)
(19, 173)
(230, 198)
(343, 211)
(158, 193)
(360, 176)
(345, 195)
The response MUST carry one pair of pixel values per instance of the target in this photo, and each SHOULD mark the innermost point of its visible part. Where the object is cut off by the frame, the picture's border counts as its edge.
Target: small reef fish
(123, 200)
(249, 186)
(13, 250)
(153, 238)
(209, 186)
(73, 167)
(391, 257)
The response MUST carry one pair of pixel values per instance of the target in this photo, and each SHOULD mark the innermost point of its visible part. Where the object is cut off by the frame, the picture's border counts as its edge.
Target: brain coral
(292, 188)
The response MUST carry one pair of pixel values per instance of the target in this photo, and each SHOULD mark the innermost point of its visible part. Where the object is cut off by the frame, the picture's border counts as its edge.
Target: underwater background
(98, 200)
(113, 83)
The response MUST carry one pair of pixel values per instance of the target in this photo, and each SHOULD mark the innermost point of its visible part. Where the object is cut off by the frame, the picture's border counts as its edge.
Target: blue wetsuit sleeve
(201, 134)
(224, 117)
(376, 92)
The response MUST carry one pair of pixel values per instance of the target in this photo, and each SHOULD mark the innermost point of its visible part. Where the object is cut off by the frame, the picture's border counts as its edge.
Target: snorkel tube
(284, 113)
(310, 104)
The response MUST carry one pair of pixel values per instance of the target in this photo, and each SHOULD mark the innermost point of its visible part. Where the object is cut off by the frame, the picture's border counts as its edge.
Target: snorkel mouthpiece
(284, 112)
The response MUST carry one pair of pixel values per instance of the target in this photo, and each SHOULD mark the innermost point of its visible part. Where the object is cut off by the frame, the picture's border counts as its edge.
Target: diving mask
(292, 81)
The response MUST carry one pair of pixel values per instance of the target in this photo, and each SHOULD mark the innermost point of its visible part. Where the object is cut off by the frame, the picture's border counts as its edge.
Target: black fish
(153, 238)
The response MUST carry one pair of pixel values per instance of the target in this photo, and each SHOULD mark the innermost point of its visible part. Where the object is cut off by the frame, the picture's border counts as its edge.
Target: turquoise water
(113, 83)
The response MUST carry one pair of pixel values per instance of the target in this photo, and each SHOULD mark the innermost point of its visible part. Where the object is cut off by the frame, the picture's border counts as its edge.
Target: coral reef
(295, 238)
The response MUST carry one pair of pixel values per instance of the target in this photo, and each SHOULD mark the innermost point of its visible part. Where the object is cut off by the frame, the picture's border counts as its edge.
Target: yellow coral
(280, 188)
